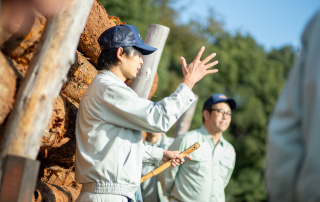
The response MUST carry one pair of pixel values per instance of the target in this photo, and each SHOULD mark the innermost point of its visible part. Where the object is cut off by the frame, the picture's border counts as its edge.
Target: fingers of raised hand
(198, 57)
(183, 62)
(214, 63)
(184, 65)
(208, 58)
(212, 71)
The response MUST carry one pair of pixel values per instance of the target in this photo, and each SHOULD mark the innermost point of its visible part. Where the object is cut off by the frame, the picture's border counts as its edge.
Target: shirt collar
(111, 74)
(204, 131)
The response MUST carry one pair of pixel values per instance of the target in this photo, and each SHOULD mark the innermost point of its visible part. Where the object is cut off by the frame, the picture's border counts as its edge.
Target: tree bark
(8, 80)
(97, 23)
(79, 77)
(21, 49)
(44, 80)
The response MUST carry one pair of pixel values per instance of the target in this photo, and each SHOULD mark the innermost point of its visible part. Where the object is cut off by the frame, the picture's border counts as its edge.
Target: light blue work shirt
(204, 178)
(293, 167)
(110, 150)
(151, 188)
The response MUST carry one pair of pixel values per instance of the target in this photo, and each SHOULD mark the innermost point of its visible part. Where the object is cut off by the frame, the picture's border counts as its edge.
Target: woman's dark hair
(108, 58)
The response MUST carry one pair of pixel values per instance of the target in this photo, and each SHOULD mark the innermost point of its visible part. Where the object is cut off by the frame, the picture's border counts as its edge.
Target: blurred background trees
(247, 72)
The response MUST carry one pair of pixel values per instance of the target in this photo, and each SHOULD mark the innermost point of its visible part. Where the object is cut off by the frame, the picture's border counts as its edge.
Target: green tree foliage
(247, 72)
(140, 13)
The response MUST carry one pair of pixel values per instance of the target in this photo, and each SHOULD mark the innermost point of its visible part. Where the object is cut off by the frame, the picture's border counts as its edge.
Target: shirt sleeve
(126, 109)
(152, 155)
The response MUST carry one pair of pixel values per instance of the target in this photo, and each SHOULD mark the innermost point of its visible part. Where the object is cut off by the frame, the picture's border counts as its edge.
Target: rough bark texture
(57, 153)
(98, 21)
(58, 143)
(7, 87)
(56, 181)
(79, 77)
(21, 49)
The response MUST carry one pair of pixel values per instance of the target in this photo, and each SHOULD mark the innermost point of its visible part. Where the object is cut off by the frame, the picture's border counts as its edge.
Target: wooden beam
(184, 122)
(156, 37)
(53, 58)
(19, 179)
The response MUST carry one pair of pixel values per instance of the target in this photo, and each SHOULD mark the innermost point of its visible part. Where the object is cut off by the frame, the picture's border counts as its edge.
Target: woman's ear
(120, 54)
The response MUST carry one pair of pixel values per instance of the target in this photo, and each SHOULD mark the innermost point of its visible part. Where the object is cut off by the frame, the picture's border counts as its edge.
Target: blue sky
(272, 23)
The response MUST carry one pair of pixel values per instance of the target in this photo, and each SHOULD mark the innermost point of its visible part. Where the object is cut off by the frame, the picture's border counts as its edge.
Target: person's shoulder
(229, 147)
(312, 28)
(107, 77)
(100, 80)
(191, 136)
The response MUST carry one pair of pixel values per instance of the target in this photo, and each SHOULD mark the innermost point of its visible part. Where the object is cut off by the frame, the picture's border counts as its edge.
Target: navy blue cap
(124, 36)
(217, 98)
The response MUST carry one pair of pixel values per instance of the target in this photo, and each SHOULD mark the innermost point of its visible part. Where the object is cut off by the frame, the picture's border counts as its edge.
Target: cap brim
(232, 103)
(145, 49)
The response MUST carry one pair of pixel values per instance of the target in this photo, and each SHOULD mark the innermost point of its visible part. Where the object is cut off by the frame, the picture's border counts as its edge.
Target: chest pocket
(226, 166)
(201, 158)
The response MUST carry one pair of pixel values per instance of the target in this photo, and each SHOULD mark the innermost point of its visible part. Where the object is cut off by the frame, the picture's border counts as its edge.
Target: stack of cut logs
(56, 181)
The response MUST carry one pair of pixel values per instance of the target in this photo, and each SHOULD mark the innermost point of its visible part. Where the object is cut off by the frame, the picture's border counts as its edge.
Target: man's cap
(124, 36)
(217, 98)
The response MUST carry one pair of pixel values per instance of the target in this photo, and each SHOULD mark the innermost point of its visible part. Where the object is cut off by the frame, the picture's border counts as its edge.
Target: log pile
(56, 181)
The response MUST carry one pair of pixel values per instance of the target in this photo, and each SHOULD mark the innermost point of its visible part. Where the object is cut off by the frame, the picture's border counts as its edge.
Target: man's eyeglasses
(222, 113)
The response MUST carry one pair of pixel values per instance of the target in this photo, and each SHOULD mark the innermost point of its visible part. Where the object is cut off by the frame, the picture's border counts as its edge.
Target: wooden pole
(184, 122)
(43, 82)
(156, 37)
(19, 179)
(54, 56)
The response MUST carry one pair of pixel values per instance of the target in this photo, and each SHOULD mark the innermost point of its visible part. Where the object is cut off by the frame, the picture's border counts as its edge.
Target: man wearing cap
(110, 150)
(205, 177)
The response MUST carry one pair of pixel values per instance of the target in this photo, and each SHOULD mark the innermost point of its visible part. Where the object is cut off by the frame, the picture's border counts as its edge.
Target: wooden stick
(168, 163)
